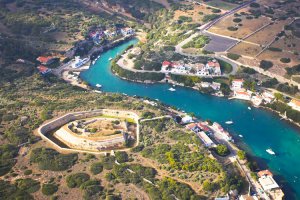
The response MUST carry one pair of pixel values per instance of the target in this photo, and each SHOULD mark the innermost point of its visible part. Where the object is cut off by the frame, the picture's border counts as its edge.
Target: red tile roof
(213, 64)
(295, 102)
(238, 80)
(190, 126)
(166, 63)
(44, 59)
(42, 69)
(264, 173)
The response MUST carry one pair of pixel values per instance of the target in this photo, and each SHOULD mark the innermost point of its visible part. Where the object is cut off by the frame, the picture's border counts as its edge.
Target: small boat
(240, 136)
(172, 89)
(249, 108)
(110, 59)
(270, 151)
(98, 85)
(93, 62)
(229, 122)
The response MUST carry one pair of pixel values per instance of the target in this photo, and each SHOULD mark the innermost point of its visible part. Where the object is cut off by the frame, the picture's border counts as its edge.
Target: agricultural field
(243, 27)
(246, 49)
(265, 36)
(196, 13)
(275, 57)
(221, 4)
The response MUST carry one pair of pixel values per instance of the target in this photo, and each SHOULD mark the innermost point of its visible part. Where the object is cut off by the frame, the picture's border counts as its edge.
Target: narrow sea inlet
(260, 129)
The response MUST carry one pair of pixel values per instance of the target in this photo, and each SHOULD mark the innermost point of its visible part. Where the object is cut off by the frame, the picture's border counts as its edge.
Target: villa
(46, 60)
(187, 119)
(215, 86)
(193, 127)
(242, 94)
(79, 62)
(127, 31)
(237, 84)
(43, 70)
(268, 97)
(269, 185)
(295, 104)
(212, 68)
(205, 139)
(256, 100)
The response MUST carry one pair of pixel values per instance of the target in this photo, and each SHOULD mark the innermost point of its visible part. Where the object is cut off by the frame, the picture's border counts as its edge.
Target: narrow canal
(260, 129)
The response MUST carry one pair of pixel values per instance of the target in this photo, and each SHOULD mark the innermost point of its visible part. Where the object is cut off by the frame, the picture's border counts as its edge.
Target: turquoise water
(260, 129)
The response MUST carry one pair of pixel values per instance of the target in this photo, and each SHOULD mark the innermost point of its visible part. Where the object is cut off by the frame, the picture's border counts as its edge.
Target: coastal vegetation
(136, 76)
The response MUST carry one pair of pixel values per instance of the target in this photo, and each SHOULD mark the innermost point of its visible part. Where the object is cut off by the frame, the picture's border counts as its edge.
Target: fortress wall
(58, 122)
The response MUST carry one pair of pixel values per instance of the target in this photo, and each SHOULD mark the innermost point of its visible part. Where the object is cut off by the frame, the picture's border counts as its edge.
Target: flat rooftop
(268, 183)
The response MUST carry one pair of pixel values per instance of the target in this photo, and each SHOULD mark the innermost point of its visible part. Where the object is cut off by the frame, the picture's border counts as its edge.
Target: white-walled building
(237, 84)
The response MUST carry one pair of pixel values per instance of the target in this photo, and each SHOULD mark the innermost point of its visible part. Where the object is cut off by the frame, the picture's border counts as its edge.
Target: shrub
(241, 154)
(96, 168)
(7, 154)
(49, 189)
(285, 60)
(254, 5)
(264, 64)
(28, 172)
(49, 159)
(76, 180)
(108, 162)
(29, 185)
(232, 28)
(121, 156)
(237, 20)
(233, 56)
(222, 150)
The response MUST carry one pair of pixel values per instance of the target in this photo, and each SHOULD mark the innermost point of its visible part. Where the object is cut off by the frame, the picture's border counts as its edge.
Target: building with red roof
(43, 70)
(45, 60)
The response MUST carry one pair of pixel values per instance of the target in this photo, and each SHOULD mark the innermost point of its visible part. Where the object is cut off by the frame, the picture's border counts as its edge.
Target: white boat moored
(172, 89)
(229, 122)
(98, 85)
(240, 136)
(249, 108)
(270, 151)
(110, 59)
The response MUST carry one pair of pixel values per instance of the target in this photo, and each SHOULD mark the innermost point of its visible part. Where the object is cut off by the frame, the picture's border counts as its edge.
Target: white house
(205, 139)
(187, 119)
(127, 31)
(256, 100)
(237, 84)
(79, 62)
(205, 84)
(215, 86)
(268, 96)
(214, 67)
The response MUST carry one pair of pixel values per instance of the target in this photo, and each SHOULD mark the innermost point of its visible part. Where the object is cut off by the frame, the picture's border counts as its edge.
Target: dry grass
(194, 14)
(265, 36)
(248, 26)
(246, 49)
